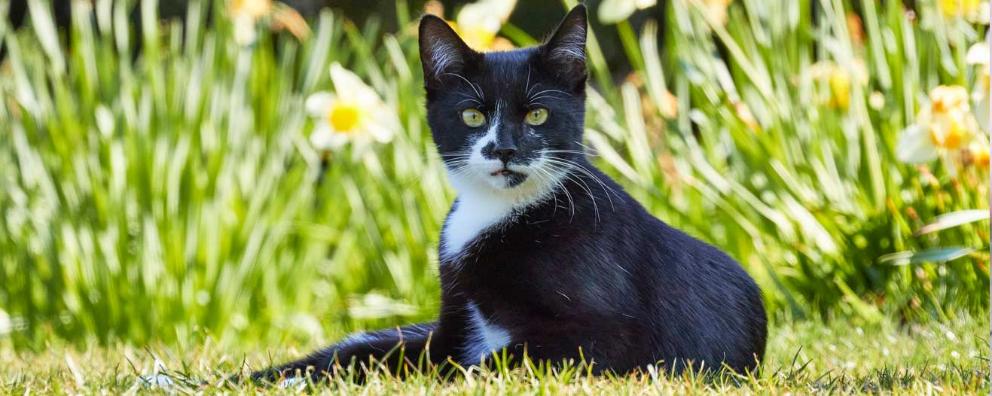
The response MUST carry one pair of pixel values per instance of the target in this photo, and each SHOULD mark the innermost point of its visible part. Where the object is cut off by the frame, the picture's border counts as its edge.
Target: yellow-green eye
(537, 116)
(473, 117)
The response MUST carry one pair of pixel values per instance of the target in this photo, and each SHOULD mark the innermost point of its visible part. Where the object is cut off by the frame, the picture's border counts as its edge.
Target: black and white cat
(542, 253)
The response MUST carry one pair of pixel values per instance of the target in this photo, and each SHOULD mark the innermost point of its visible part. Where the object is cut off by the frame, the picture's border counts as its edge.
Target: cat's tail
(398, 350)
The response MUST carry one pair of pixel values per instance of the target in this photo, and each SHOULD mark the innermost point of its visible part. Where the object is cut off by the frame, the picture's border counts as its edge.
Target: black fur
(585, 270)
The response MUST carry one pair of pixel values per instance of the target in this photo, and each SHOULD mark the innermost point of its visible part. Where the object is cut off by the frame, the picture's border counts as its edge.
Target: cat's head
(506, 122)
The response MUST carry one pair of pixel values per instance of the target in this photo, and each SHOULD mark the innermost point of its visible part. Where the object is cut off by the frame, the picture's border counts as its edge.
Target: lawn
(802, 357)
(165, 191)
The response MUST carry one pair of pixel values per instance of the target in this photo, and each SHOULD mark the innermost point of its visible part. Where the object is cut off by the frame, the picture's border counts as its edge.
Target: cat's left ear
(565, 52)
(442, 51)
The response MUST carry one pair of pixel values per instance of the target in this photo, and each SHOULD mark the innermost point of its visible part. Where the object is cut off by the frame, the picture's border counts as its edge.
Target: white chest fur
(481, 207)
(472, 215)
(484, 336)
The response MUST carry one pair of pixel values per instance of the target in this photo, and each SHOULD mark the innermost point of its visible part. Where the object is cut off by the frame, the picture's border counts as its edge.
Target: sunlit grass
(160, 186)
(811, 357)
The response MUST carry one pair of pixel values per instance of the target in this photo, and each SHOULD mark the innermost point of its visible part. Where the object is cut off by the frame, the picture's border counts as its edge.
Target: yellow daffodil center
(344, 116)
(959, 7)
(950, 134)
(839, 81)
(840, 88)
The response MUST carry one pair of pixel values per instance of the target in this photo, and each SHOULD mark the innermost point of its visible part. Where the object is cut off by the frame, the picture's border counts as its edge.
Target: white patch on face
(484, 337)
(485, 200)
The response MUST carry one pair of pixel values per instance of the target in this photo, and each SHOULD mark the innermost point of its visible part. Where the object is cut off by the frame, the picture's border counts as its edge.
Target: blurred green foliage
(160, 184)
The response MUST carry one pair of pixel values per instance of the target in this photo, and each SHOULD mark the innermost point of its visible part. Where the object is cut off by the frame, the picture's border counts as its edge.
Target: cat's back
(705, 305)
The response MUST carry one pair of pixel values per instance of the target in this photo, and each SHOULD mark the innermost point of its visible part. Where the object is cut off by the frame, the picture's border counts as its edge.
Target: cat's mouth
(504, 172)
(513, 178)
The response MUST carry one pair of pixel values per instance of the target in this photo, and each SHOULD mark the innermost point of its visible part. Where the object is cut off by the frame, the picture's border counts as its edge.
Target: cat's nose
(505, 154)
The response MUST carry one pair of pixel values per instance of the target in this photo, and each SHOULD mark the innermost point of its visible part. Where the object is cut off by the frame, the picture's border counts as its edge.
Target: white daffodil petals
(982, 112)
(324, 138)
(642, 4)
(319, 103)
(384, 125)
(244, 29)
(978, 54)
(982, 16)
(613, 11)
(915, 146)
(349, 85)
(381, 130)
(486, 14)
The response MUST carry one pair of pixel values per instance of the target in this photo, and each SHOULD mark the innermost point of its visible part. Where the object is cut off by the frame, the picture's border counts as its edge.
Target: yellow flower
(614, 11)
(948, 132)
(353, 113)
(839, 80)
(948, 98)
(975, 11)
(941, 129)
(246, 15)
(478, 23)
(840, 89)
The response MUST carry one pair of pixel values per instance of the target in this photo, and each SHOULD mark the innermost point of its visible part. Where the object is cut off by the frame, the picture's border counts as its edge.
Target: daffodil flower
(942, 129)
(246, 15)
(839, 80)
(479, 23)
(974, 11)
(714, 10)
(354, 112)
(613, 11)
(978, 152)
(979, 55)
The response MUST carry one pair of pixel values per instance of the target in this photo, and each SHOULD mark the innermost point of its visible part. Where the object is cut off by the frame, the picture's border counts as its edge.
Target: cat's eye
(537, 116)
(473, 118)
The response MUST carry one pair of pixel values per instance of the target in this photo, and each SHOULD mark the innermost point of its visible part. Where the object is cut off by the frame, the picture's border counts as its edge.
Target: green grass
(803, 358)
(171, 195)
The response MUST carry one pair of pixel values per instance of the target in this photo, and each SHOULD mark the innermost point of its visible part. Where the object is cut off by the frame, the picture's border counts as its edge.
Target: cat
(542, 254)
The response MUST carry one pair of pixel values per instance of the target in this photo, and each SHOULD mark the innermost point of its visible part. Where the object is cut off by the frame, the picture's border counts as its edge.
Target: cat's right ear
(565, 52)
(441, 50)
